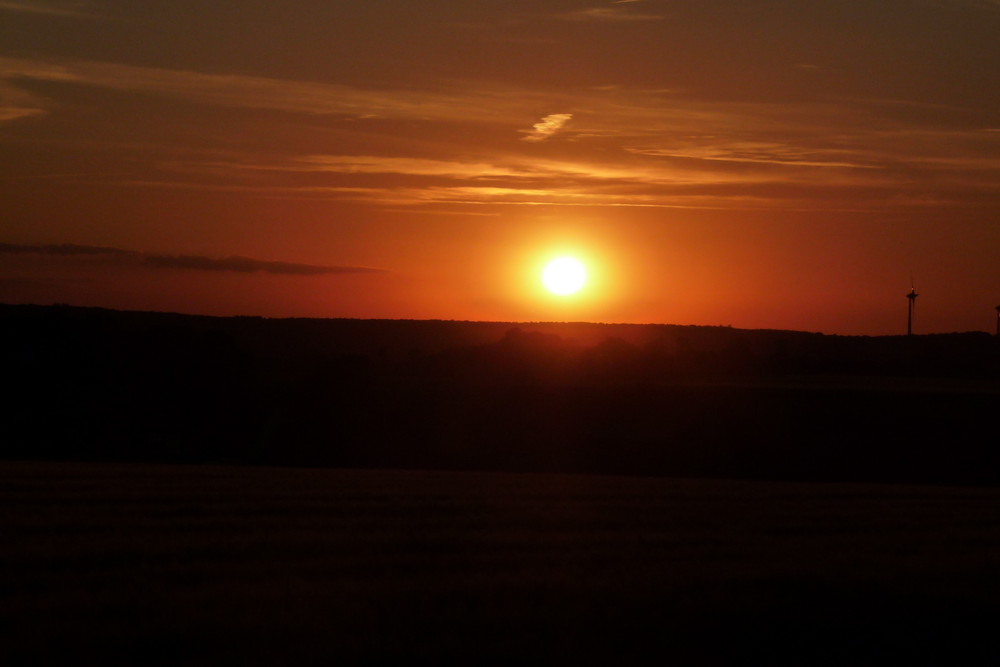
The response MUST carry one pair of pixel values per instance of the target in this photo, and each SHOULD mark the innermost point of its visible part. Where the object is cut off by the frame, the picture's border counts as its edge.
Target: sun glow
(564, 276)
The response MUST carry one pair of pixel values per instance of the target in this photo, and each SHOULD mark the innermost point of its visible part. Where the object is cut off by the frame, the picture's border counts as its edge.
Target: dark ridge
(95, 384)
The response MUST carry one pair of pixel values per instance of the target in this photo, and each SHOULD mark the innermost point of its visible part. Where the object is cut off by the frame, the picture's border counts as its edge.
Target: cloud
(13, 113)
(990, 6)
(69, 10)
(232, 263)
(254, 92)
(547, 127)
(501, 167)
(725, 170)
(504, 170)
(762, 152)
(369, 164)
(686, 198)
(247, 265)
(627, 141)
(609, 14)
(61, 249)
(23, 282)
(16, 103)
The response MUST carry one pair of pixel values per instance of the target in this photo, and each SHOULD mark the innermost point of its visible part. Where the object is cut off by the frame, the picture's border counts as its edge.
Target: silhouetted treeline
(95, 384)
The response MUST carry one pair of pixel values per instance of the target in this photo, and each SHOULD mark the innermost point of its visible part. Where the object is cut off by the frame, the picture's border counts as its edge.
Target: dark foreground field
(211, 564)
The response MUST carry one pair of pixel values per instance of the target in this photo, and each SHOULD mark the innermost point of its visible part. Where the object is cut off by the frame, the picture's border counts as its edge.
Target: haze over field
(778, 165)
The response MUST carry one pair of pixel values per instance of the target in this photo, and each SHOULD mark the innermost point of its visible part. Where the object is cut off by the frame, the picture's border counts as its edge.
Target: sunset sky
(761, 164)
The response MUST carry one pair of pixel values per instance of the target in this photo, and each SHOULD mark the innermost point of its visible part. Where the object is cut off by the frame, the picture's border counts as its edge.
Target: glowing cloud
(548, 126)
(609, 14)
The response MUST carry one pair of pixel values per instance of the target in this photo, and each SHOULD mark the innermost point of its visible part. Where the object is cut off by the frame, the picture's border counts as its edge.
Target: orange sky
(758, 164)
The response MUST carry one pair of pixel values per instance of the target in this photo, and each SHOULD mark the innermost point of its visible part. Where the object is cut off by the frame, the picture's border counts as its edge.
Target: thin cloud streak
(13, 113)
(610, 112)
(514, 167)
(233, 263)
(63, 249)
(16, 103)
(757, 152)
(23, 282)
(991, 7)
(369, 164)
(248, 265)
(608, 15)
(389, 197)
(509, 169)
(259, 92)
(47, 9)
(656, 178)
(623, 138)
(480, 196)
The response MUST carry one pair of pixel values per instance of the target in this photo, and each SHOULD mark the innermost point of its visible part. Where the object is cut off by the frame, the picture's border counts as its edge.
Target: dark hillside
(93, 384)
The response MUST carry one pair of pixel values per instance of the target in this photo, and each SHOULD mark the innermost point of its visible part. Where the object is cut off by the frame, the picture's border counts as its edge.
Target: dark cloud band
(195, 262)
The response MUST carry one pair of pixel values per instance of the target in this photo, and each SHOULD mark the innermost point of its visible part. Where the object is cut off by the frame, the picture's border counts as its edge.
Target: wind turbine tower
(998, 321)
(912, 298)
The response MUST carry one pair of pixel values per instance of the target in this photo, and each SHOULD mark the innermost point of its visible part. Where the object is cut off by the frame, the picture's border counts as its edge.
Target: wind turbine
(998, 321)
(912, 297)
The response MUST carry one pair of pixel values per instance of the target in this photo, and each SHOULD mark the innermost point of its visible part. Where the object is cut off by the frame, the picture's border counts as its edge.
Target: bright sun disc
(564, 275)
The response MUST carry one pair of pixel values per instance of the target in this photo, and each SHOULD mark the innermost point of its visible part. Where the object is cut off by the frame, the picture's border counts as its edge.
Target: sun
(564, 276)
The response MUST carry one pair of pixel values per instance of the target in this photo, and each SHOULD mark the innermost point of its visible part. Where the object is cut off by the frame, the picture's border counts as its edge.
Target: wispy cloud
(762, 152)
(502, 167)
(548, 126)
(72, 10)
(613, 14)
(370, 164)
(61, 249)
(510, 168)
(260, 92)
(233, 263)
(638, 143)
(991, 6)
(24, 282)
(626, 198)
(9, 113)
(248, 265)
(708, 171)
(17, 103)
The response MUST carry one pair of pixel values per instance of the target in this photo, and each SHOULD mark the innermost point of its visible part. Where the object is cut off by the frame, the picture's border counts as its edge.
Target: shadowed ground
(711, 402)
(213, 564)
